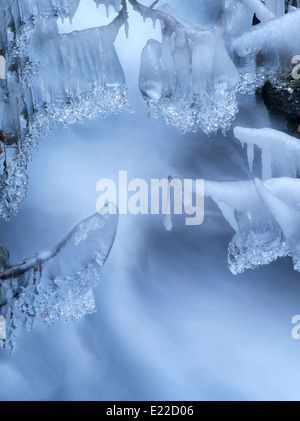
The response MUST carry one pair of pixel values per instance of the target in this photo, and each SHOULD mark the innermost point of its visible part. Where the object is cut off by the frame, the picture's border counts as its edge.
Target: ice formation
(265, 216)
(47, 8)
(280, 152)
(189, 77)
(51, 79)
(116, 4)
(192, 76)
(275, 34)
(58, 282)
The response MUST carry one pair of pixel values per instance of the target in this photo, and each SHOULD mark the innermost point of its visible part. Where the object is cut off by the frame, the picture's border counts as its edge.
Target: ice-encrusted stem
(52, 79)
(275, 33)
(260, 9)
(120, 20)
(48, 8)
(280, 152)
(107, 3)
(265, 217)
(4, 173)
(59, 282)
(286, 215)
(169, 21)
(39, 259)
(177, 83)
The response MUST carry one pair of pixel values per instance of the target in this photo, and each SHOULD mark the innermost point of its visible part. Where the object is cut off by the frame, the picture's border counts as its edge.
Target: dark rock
(255, 21)
(283, 101)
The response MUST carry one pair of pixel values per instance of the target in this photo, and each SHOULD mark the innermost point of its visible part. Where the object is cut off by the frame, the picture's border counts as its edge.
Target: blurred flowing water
(172, 322)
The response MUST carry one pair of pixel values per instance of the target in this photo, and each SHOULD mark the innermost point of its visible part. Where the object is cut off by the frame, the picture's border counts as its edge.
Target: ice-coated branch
(260, 9)
(4, 173)
(168, 19)
(116, 4)
(190, 81)
(48, 8)
(190, 78)
(280, 34)
(51, 79)
(119, 21)
(265, 217)
(60, 281)
(280, 152)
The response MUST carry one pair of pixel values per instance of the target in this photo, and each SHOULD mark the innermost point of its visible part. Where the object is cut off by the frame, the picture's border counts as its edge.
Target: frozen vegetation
(51, 79)
(191, 78)
(56, 283)
(265, 216)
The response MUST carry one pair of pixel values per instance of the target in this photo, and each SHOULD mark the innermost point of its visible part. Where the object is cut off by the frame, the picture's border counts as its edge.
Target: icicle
(167, 61)
(266, 162)
(151, 71)
(182, 62)
(168, 224)
(2, 328)
(274, 145)
(126, 26)
(250, 155)
(277, 7)
(167, 210)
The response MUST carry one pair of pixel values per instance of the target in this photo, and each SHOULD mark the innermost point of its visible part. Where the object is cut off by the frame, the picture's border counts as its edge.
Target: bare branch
(6, 169)
(153, 4)
(38, 259)
(172, 23)
(121, 19)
